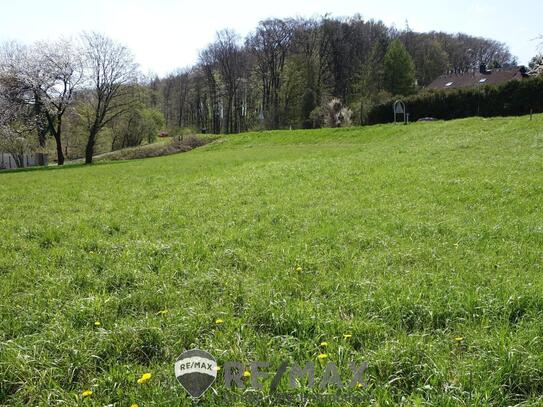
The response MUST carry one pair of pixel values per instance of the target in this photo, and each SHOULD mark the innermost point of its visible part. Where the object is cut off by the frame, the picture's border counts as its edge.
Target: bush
(139, 125)
(337, 115)
(317, 118)
(514, 98)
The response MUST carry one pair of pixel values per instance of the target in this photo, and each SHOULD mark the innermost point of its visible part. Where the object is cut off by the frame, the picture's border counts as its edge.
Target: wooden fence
(29, 160)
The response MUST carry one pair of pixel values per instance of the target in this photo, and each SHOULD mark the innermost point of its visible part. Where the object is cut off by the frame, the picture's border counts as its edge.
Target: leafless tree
(207, 64)
(228, 56)
(270, 44)
(111, 71)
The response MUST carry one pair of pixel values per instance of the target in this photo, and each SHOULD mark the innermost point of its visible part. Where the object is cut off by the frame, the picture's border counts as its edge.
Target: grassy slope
(408, 237)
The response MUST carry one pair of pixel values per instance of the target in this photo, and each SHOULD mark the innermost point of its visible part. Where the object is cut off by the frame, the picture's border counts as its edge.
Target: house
(474, 78)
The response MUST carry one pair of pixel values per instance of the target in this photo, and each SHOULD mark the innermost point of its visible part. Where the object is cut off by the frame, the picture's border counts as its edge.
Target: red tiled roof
(473, 79)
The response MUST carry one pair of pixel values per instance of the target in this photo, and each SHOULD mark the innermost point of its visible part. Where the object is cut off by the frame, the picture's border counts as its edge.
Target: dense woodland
(87, 96)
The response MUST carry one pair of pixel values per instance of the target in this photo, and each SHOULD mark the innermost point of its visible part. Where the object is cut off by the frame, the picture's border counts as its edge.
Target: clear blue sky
(167, 34)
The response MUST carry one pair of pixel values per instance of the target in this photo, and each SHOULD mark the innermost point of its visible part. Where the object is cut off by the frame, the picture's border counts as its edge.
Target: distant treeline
(86, 96)
(286, 72)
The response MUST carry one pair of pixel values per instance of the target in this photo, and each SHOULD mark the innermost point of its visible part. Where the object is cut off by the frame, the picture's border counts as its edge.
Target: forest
(80, 97)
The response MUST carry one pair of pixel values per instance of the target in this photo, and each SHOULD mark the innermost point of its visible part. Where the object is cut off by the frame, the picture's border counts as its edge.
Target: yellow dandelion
(459, 339)
(324, 344)
(219, 321)
(322, 356)
(163, 312)
(97, 323)
(246, 374)
(298, 269)
(144, 378)
(134, 405)
(87, 393)
(359, 385)
(347, 336)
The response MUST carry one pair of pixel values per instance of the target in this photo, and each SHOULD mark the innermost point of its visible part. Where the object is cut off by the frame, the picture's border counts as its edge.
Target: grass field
(423, 242)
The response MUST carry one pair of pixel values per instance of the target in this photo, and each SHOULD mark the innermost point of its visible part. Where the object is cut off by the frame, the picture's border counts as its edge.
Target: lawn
(418, 249)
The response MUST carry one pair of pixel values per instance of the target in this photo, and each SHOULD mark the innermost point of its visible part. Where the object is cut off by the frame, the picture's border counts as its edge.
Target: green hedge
(513, 98)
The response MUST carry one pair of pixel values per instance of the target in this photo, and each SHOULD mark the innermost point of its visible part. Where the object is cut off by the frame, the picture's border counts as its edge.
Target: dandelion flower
(324, 344)
(359, 385)
(246, 374)
(87, 393)
(134, 405)
(144, 378)
(298, 269)
(322, 356)
(459, 339)
(347, 336)
(219, 321)
(163, 312)
(97, 323)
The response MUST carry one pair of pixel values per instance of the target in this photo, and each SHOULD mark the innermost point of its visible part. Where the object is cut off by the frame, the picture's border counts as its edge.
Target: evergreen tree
(399, 77)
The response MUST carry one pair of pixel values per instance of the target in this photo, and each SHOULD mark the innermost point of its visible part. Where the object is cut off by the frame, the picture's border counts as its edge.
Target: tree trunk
(58, 140)
(89, 150)
(40, 125)
(42, 135)
(19, 160)
(60, 153)
(228, 124)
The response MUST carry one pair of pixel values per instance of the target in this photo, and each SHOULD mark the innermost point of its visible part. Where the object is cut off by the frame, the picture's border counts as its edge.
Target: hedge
(514, 98)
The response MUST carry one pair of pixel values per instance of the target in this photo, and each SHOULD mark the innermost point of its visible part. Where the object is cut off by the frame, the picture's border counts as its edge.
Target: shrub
(514, 98)
(139, 125)
(337, 115)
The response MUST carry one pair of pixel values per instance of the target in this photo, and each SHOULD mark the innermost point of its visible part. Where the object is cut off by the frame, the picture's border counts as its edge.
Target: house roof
(473, 79)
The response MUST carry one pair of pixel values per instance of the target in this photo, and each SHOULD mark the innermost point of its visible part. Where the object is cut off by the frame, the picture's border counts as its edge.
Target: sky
(166, 35)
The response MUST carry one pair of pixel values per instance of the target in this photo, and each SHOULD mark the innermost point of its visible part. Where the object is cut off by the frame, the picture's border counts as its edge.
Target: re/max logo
(234, 373)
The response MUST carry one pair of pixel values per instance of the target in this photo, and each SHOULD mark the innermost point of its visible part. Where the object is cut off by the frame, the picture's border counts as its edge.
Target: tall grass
(423, 242)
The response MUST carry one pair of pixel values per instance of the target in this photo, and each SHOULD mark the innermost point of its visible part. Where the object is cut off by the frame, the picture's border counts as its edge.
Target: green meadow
(417, 249)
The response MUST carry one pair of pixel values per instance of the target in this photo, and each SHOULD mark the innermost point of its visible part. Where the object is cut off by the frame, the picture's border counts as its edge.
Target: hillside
(423, 242)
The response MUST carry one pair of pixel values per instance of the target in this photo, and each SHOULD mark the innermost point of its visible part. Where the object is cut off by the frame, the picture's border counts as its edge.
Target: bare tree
(270, 44)
(111, 72)
(228, 55)
(207, 63)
